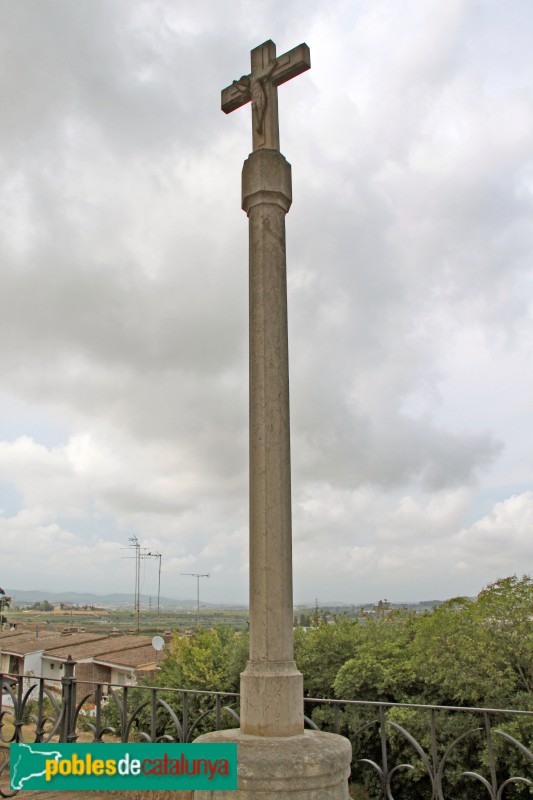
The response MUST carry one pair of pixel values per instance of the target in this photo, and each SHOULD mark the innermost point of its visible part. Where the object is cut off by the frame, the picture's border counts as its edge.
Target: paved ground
(48, 795)
(51, 795)
(68, 795)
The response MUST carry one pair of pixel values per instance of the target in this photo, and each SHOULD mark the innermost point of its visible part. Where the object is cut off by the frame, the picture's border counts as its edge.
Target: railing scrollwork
(401, 744)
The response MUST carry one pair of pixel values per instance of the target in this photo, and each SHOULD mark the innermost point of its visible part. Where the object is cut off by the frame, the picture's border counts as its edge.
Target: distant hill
(114, 600)
(24, 597)
(350, 609)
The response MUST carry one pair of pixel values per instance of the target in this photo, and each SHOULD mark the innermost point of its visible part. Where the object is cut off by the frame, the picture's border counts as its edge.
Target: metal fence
(399, 750)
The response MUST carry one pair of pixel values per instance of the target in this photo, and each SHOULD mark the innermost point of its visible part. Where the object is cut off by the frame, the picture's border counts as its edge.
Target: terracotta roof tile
(12, 634)
(140, 656)
(29, 644)
(96, 648)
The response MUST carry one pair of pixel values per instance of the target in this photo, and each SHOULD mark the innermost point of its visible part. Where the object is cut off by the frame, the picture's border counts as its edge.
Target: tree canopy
(466, 652)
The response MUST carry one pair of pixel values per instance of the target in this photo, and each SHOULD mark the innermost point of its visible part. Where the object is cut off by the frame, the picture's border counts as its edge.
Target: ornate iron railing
(434, 744)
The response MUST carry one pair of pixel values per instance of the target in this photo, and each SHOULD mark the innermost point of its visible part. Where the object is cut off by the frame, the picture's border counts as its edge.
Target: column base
(271, 699)
(310, 766)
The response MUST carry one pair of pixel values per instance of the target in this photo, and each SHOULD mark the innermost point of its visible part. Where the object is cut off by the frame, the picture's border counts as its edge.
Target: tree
(44, 605)
(381, 667)
(5, 601)
(322, 650)
(453, 659)
(479, 652)
(210, 659)
(505, 609)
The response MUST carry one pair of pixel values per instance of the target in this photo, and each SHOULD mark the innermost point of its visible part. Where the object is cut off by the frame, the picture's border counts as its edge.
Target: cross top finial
(260, 87)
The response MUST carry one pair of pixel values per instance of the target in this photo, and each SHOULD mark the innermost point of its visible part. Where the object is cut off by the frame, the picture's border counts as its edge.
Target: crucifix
(271, 686)
(277, 757)
(261, 88)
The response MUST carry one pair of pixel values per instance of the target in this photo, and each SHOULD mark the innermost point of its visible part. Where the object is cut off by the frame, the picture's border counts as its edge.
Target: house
(99, 658)
(127, 666)
(92, 660)
(14, 645)
(22, 653)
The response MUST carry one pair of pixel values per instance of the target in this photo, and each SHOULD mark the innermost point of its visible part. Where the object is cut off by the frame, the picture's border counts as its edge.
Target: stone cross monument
(271, 686)
(276, 757)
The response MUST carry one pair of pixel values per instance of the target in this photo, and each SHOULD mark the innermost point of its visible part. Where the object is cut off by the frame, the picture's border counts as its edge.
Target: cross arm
(291, 64)
(234, 97)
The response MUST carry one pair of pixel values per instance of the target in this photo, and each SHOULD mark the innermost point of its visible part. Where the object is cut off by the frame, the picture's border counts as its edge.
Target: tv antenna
(197, 575)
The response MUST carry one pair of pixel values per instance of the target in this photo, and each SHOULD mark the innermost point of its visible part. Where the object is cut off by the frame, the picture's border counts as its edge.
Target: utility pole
(197, 575)
(140, 552)
(159, 556)
(137, 602)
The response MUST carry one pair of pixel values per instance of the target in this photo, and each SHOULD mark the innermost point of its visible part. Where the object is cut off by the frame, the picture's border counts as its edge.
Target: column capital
(266, 178)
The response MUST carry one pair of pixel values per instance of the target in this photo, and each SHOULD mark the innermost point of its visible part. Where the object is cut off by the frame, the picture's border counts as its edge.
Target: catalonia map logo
(108, 766)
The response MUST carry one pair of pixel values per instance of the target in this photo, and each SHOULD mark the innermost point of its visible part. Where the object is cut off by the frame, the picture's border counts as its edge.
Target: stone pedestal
(311, 766)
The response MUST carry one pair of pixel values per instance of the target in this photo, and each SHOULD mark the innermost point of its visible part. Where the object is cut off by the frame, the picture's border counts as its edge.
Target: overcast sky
(123, 294)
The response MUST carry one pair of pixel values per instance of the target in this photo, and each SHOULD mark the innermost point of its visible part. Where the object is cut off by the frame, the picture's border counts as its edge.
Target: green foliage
(478, 652)
(5, 602)
(44, 605)
(464, 653)
(506, 609)
(455, 659)
(209, 659)
(379, 669)
(322, 650)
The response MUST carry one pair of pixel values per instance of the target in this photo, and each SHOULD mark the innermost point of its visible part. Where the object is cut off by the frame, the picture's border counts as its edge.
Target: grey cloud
(123, 247)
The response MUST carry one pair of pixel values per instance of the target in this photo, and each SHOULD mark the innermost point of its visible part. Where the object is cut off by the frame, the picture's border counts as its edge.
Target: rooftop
(138, 657)
(96, 647)
(21, 645)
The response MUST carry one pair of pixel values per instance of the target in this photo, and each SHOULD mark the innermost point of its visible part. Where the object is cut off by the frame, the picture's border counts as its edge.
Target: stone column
(276, 757)
(271, 686)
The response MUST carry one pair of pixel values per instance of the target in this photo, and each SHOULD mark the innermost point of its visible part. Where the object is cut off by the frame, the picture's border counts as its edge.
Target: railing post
(153, 716)
(384, 757)
(17, 706)
(39, 730)
(217, 713)
(435, 783)
(1, 701)
(98, 712)
(124, 732)
(18, 709)
(68, 702)
(490, 754)
(337, 718)
(185, 717)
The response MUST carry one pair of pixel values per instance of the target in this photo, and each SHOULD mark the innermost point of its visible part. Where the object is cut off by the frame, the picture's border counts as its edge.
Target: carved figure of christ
(260, 88)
